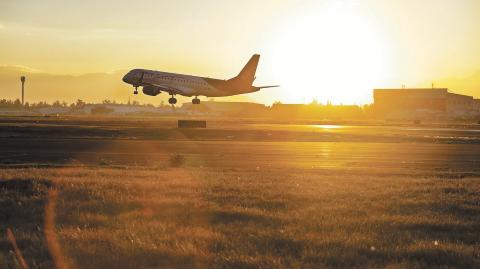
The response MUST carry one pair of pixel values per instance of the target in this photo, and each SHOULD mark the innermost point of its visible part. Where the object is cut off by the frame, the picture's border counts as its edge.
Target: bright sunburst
(333, 54)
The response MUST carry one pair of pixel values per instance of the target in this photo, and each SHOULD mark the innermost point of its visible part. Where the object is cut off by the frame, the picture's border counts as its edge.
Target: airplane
(155, 82)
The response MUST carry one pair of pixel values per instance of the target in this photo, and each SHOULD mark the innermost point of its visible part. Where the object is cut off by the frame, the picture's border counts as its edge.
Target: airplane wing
(164, 88)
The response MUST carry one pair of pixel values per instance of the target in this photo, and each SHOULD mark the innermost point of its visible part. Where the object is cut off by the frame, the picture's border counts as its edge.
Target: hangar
(435, 100)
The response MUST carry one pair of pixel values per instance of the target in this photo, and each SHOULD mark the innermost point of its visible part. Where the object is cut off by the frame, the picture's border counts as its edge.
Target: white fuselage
(172, 83)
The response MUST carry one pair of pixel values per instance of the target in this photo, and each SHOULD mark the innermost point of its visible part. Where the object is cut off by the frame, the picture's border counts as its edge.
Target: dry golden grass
(276, 217)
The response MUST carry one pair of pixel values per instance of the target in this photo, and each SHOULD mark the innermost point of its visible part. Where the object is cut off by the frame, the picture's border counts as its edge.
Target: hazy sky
(329, 50)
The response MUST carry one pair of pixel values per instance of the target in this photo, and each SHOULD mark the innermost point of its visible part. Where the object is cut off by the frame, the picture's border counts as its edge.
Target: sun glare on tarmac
(328, 127)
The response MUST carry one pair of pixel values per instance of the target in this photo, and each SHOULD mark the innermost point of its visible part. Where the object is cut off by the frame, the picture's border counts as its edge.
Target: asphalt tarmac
(231, 145)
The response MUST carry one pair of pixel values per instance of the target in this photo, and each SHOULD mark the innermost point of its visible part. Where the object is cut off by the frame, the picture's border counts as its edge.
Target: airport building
(476, 105)
(437, 101)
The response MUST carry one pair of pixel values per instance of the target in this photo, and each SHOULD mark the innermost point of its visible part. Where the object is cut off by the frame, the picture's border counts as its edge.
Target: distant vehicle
(155, 82)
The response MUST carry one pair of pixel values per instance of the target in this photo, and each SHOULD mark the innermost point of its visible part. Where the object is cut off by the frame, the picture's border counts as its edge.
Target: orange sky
(326, 50)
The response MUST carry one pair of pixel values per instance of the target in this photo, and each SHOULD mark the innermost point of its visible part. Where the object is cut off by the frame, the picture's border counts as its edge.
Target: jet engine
(151, 90)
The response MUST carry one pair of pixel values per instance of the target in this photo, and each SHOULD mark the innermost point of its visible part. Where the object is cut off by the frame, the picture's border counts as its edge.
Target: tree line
(17, 104)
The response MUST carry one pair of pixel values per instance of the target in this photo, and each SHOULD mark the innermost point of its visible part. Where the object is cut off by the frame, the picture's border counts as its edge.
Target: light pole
(22, 79)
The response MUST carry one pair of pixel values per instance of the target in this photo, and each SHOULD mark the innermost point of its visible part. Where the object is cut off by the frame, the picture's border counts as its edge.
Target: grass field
(245, 205)
(111, 218)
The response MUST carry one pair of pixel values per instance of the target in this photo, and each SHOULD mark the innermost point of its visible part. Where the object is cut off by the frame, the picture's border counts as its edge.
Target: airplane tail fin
(247, 75)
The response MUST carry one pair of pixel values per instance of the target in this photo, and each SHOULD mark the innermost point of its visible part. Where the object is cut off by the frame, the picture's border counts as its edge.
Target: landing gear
(196, 101)
(135, 91)
(172, 100)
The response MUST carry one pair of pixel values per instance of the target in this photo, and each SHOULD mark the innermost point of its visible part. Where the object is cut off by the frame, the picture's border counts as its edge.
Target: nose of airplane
(126, 77)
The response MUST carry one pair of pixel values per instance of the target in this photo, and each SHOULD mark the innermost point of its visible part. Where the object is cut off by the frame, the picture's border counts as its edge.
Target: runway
(228, 145)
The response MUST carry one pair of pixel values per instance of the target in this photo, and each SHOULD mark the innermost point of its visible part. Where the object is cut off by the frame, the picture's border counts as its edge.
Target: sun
(332, 54)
